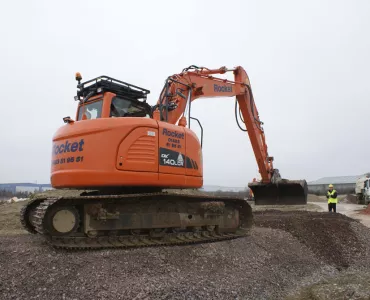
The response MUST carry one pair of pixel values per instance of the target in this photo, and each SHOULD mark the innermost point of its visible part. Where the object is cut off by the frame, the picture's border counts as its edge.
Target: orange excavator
(132, 158)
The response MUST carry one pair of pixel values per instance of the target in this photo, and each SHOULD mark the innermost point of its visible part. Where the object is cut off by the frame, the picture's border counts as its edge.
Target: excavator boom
(193, 83)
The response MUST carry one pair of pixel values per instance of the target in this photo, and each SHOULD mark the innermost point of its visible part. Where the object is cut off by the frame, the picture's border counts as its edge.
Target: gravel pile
(354, 285)
(349, 199)
(330, 236)
(283, 254)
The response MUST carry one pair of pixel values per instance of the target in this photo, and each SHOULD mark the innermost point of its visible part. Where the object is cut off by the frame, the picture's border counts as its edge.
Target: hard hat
(330, 185)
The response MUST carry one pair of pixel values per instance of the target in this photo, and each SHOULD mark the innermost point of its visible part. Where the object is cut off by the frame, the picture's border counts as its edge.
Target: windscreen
(121, 107)
(90, 110)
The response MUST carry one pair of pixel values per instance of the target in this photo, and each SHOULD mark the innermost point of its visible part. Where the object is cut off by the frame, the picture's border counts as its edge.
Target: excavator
(132, 159)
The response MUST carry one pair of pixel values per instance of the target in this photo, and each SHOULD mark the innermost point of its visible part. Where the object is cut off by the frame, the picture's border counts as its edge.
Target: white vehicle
(363, 189)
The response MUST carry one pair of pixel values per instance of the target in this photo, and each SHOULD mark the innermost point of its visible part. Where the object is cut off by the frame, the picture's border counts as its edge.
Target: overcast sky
(308, 62)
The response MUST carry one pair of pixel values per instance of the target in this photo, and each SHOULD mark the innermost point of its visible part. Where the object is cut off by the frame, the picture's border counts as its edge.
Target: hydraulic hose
(236, 116)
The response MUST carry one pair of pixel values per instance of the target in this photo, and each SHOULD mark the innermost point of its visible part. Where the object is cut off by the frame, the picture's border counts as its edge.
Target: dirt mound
(366, 211)
(313, 198)
(348, 199)
(328, 235)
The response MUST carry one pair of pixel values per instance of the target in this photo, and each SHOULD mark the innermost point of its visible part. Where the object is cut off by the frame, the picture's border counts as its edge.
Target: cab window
(121, 107)
(91, 110)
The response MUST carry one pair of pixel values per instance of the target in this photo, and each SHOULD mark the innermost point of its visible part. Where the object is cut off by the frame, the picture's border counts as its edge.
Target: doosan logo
(68, 147)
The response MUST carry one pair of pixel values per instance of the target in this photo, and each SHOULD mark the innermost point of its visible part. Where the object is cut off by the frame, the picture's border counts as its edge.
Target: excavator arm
(192, 83)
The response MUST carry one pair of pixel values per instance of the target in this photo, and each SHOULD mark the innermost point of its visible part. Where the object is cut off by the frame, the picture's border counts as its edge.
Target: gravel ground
(330, 236)
(355, 285)
(260, 266)
(286, 252)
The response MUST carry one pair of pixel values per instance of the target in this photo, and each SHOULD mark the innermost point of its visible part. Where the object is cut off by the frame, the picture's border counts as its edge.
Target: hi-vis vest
(332, 200)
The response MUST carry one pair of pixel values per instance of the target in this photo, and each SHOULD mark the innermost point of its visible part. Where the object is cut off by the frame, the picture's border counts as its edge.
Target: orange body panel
(119, 152)
(139, 151)
(158, 151)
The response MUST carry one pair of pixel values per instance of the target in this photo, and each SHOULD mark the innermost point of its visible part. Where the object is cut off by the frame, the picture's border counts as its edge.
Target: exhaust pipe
(283, 192)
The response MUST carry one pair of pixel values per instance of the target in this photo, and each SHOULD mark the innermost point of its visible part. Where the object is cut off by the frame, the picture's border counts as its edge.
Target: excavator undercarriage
(136, 220)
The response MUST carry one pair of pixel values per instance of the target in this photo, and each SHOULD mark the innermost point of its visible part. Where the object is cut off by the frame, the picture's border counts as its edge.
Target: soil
(349, 199)
(288, 254)
(366, 211)
(314, 198)
(9, 218)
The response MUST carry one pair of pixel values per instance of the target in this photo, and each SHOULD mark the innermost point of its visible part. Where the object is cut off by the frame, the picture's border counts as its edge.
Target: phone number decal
(68, 160)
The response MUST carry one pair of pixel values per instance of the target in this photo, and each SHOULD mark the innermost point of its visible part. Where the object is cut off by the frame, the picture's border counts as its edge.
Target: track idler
(284, 192)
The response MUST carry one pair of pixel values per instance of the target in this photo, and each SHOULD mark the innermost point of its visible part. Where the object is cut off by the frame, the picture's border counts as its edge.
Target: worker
(332, 198)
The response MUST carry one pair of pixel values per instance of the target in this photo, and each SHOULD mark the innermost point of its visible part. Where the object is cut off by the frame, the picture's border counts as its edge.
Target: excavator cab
(105, 97)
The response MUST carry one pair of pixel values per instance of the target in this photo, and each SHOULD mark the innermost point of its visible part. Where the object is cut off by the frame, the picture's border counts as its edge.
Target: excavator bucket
(285, 192)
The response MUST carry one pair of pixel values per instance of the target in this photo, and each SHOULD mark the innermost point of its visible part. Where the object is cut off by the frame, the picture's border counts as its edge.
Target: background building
(343, 184)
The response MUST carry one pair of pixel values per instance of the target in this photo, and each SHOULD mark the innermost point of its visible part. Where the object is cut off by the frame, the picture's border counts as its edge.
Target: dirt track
(286, 251)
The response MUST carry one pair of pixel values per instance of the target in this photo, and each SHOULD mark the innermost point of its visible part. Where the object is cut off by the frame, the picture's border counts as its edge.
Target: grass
(9, 218)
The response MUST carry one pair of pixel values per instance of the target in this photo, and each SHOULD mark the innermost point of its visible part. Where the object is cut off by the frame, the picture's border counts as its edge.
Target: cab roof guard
(108, 84)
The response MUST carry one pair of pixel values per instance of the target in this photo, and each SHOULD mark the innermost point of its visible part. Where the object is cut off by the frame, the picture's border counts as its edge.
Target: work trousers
(332, 206)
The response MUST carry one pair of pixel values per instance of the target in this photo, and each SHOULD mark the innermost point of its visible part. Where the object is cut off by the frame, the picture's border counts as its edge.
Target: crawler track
(34, 218)
(26, 211)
